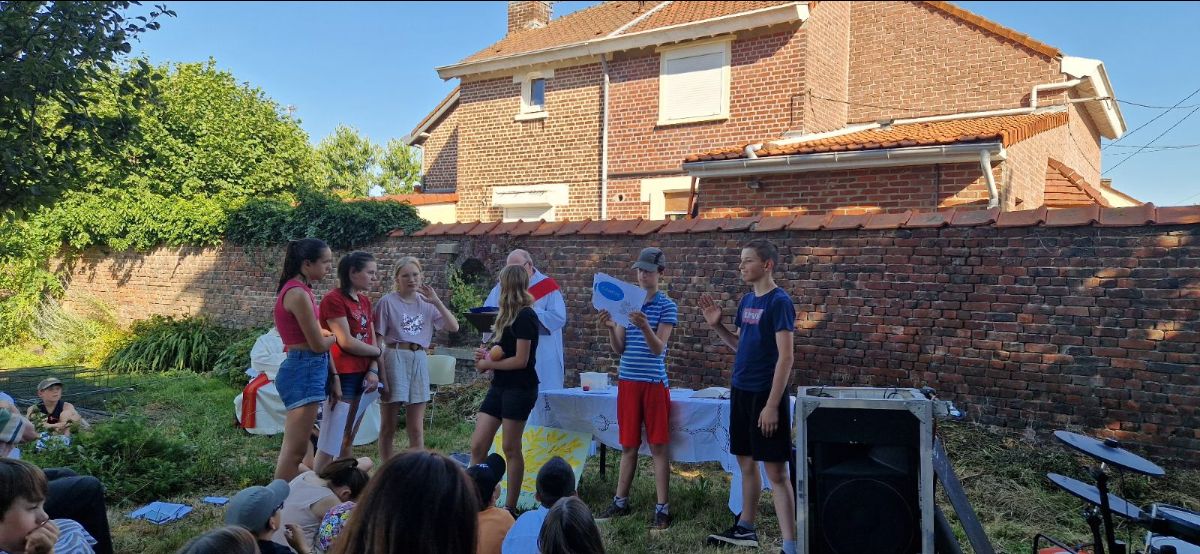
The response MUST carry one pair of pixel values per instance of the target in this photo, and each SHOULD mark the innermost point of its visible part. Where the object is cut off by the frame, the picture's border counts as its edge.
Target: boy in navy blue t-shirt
(759, 419)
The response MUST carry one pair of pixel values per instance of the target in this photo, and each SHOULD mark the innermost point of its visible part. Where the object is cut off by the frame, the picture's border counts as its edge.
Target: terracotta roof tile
(416, 199)
(604, 19)
(649, 226)
(678, 13)
(483, 228)
(1073, 217)
(549, 228)
(436, 229)
(504, 228)
(678, 226)
(462, 228)
(524, 228)
(1178, 215)
(572, 227)
(996, 28)
(1021, 218)
(1128, 216)
(888, 221)
(808, 222)
(1065, 188)
(847, 221)
(929, 219)
(739, 223)
(1008, 130)
(972, 218)
(621, 226)
(593, 227)
(706, 226)
(773, 223)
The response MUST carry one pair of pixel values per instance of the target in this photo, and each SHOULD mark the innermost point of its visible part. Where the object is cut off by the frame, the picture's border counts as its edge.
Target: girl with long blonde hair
(514, 387)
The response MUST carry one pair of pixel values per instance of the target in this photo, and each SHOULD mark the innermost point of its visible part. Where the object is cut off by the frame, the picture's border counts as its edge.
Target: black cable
(1147, 145)
(1140, 127)
(1158, 107)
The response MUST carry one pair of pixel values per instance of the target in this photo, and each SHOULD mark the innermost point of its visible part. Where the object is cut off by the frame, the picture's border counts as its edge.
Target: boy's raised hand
(638, 319)
(710, 309)
(41, 540)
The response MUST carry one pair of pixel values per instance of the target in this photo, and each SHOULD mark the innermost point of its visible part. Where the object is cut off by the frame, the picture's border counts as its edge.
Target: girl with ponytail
(303, 375)
(514, 388)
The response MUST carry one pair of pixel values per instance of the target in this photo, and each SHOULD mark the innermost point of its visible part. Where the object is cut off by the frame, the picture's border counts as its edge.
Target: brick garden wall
(1052, 327)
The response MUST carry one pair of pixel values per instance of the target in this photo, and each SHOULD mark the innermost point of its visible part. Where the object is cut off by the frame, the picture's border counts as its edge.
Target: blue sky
(370, 64)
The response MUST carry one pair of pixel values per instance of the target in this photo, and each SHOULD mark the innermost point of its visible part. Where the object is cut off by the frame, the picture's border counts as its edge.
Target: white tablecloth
(699, 427)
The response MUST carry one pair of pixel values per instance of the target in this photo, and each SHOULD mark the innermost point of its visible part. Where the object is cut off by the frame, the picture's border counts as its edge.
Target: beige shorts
(407, 376)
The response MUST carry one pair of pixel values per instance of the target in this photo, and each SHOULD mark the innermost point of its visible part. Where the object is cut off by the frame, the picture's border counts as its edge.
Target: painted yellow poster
(539, 444)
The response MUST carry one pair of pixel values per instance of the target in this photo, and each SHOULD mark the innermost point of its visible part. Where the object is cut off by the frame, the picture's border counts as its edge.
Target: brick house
(655, 110)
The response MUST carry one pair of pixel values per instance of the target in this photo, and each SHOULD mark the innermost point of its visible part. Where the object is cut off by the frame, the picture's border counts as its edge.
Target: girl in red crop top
(304, 374)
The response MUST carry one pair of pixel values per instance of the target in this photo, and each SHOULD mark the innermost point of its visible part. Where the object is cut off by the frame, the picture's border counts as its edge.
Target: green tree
(400, 168)
(51, 55)
(349, 162)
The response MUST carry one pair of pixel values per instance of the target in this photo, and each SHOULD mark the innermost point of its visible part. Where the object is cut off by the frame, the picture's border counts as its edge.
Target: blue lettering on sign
(610, 291)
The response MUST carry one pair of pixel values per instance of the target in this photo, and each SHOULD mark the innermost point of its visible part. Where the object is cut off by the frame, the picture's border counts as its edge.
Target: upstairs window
(693, 83)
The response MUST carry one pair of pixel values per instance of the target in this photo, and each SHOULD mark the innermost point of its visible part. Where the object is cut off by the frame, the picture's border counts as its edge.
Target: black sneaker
(613, 510)
(735, 536)
(662, 521)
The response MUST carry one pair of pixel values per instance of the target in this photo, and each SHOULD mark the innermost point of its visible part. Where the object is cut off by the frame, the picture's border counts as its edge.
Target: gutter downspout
(985, 163)
(604, 141)
(692, 198)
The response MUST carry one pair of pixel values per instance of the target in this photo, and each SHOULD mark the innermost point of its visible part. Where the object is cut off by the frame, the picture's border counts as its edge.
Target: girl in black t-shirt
(515, 383)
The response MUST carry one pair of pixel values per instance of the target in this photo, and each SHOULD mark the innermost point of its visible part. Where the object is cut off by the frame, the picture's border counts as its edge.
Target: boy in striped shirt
(642, 392)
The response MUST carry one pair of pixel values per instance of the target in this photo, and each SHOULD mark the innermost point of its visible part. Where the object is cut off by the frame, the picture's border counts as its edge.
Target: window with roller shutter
(693, 83)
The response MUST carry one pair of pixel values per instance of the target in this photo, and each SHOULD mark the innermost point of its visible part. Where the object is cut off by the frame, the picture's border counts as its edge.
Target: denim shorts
(352, 384)
(302, 377)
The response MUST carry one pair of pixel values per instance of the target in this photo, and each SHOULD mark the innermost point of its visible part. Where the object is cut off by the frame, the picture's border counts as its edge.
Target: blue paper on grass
(218, 500)
(161, 512)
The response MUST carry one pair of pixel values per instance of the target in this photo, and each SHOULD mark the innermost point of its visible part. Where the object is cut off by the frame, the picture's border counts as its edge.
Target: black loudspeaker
(862, 480)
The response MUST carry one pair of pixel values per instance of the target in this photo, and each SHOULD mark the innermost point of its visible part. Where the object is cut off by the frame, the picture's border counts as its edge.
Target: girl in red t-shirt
(346, 312)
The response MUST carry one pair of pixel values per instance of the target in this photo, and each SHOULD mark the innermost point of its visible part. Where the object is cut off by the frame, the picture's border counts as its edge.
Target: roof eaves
(432, 117)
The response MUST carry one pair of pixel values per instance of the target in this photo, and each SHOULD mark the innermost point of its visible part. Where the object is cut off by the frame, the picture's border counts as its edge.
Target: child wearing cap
(555, 480)
(643, 397)
(494, 522)
(257, 509)
(59, 415)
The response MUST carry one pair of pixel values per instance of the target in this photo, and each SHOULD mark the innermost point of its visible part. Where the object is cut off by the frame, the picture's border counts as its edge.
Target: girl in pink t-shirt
(404, 324)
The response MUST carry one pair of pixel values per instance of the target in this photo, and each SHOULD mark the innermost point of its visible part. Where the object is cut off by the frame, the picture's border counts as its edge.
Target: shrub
(135, 461)
(232, 362)
(465, 293)
(84, 337)
(343, 225)
(164, 343)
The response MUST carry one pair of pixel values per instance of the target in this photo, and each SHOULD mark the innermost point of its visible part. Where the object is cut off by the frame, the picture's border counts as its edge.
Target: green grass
(1004, 476)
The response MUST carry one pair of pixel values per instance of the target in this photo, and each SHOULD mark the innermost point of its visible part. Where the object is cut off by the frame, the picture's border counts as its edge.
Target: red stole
(542, 288)
(250, 400)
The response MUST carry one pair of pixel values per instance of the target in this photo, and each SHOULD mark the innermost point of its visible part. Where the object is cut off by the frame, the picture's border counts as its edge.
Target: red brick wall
(766, 76)
(827, 73)
(847, 192)
(908, 55)
(1045, 326)
(1082, 153)
(563, 148)
(439, 155)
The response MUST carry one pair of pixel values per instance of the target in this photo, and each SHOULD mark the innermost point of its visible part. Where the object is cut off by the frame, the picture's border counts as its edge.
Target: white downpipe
(604, 141)
(985, 163)
(750, 150)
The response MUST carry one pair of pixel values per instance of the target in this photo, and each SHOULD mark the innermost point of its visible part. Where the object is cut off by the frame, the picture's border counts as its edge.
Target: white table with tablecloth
(699, 426)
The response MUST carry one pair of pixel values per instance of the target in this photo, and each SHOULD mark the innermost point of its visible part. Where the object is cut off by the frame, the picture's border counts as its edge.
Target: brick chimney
(523, 16)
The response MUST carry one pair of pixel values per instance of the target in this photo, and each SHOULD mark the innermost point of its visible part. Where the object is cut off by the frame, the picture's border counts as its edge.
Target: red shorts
(639, 403)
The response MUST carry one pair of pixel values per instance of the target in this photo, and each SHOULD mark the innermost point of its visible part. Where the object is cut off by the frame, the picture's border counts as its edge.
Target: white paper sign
(616, 296)
(333, 423)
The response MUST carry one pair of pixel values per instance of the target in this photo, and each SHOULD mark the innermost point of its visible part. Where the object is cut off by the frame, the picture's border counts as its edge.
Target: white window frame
(515, 213)
(723, 46)
(542, 196)
(655, 192)
(529, 111)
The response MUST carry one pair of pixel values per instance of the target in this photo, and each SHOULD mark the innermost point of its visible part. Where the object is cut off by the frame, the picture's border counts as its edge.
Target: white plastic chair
(441, 372)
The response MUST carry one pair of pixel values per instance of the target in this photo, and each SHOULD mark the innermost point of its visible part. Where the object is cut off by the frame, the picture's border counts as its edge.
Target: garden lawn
(1004, 476)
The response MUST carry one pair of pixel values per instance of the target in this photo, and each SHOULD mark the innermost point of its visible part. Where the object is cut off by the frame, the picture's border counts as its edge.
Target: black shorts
(514, 403)
(746, 439)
